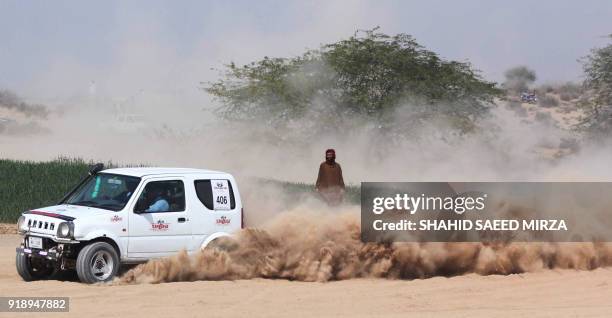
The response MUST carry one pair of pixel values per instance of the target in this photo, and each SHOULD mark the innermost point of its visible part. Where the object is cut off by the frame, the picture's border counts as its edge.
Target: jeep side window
(204, 191)
(162, 196)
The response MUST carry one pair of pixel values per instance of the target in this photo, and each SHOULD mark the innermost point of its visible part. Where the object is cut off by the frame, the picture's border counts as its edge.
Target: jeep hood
(68, 212)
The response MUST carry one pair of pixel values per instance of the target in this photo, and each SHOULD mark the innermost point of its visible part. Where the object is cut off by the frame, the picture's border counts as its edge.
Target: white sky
(55, 49)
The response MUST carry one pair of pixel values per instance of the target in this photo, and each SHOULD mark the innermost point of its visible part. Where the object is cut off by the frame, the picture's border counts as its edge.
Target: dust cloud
(303, 245)
(10, 101)
(309, 241)
(148, 129)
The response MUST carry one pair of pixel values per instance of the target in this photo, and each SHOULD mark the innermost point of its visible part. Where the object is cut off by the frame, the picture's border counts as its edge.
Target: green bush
(293, 190)
(548, 100)
(570, 91)
(26, 185)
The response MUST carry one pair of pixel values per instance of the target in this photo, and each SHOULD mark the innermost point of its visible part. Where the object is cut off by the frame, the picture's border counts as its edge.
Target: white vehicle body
(137, 235)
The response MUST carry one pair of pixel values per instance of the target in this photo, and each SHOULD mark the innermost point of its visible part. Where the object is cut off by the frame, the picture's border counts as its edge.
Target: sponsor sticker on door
(223, 220)
(160, 226)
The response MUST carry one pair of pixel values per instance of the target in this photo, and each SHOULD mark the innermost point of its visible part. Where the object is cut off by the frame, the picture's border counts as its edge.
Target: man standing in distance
(330, 184)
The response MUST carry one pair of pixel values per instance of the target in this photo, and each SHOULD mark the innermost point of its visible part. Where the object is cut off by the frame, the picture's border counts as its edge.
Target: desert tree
(518, 79)
(368, 75)
(598, 81)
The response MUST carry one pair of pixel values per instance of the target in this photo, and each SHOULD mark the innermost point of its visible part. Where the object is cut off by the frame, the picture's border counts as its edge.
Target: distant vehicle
(530, 98)
(127, 215)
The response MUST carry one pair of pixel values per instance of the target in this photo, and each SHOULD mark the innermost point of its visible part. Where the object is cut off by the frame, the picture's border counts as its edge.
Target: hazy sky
(57, 48)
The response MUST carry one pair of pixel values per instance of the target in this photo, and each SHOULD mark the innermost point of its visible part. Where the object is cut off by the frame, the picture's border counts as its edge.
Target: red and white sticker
(160, 226)
(223, 220)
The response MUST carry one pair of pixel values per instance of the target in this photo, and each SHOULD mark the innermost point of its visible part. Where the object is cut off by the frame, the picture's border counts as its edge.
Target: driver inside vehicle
(155, 199)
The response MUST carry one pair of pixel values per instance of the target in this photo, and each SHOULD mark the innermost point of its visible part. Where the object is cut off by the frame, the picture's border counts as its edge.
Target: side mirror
(96, 168)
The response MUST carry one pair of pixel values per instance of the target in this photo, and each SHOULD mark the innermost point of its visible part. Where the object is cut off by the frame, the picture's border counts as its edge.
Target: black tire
(92, 262)
(31, 272)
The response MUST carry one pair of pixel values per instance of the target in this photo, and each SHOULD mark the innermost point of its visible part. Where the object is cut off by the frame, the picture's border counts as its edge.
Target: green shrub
(548, 100)
(26, 185)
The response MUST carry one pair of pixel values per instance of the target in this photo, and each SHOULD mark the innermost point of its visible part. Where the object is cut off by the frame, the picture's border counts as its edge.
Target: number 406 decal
(222, 200)
(220, 191)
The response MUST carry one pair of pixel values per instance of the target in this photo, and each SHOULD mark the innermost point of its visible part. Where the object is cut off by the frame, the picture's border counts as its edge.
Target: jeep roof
(147, 171)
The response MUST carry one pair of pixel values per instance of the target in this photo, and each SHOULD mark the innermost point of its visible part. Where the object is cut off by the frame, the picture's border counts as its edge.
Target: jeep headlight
(65, 230)
(20, 223)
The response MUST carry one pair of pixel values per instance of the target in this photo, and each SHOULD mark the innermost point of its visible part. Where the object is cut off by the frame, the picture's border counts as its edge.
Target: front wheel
(33, 269)
(97, 262)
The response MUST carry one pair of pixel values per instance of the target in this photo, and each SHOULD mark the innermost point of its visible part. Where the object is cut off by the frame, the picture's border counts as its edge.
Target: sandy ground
(544, 294)
(6, 228)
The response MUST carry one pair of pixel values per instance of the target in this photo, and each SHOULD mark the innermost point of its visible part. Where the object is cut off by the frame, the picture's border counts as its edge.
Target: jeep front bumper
(34, 252)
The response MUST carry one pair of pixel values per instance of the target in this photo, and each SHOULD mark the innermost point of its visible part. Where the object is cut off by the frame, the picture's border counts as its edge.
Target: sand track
(553, 293)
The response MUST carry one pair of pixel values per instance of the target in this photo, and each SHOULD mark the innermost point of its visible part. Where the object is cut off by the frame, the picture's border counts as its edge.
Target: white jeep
(127, 216)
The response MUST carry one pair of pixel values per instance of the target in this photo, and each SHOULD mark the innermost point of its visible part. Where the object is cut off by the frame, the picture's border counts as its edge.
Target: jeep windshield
(105, 191)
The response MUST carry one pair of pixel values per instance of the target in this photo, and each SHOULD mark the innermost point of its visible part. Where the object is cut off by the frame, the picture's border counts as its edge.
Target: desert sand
(549, 293)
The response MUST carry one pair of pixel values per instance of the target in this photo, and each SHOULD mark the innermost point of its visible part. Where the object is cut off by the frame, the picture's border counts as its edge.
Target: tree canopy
(518, 79)
(369, 74)
(598, 71)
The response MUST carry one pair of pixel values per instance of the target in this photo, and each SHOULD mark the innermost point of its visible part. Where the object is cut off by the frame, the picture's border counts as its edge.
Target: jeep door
(158, 221)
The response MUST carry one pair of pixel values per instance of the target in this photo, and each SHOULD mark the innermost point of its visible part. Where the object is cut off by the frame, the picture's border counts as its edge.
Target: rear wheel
(31, 269)
(223, 243)
(97, 262)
